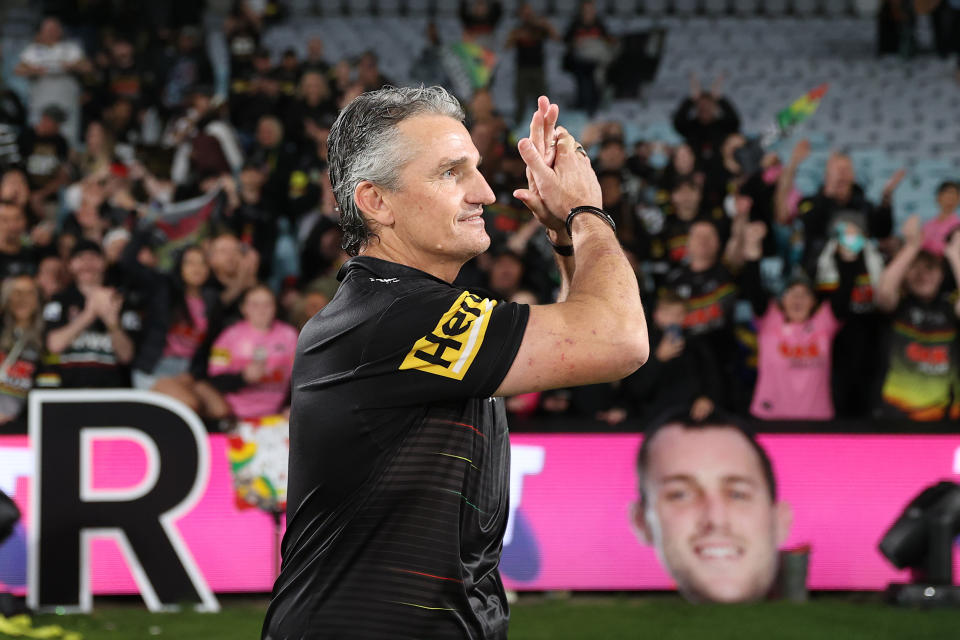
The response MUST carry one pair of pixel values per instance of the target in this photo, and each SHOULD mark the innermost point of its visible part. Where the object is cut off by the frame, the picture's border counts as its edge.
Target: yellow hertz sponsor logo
(450, 348)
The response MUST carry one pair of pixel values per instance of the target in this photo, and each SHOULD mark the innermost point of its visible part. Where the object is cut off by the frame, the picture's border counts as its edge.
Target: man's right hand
(570, 183)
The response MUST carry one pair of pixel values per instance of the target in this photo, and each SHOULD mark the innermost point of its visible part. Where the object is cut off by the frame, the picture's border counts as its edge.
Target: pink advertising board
(571, 497)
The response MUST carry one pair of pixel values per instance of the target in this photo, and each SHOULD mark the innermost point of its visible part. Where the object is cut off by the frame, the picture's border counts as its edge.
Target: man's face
(839, 176)
(686, 200)
(87, 268)
(703, 243)
(438, 209)
(13, 223)
(225, 255)
(707, 509)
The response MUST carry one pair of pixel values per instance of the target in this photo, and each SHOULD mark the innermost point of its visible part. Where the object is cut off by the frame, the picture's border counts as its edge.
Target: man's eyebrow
(678, 477)
(455, 162)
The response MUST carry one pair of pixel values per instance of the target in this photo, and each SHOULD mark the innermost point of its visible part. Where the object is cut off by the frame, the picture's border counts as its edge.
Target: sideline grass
(660, 617)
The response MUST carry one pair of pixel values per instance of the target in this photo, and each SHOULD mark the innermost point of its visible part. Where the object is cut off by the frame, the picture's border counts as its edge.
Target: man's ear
(638, 523)
(369, 199)
(784, 516)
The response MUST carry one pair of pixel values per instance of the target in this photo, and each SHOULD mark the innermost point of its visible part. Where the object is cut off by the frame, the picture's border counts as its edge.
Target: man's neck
(446, 271)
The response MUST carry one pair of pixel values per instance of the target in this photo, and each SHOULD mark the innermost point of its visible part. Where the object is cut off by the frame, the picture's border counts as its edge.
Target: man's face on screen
(708, 511)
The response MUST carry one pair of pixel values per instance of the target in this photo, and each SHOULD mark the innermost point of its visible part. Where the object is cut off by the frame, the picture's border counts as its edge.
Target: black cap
(83, 245)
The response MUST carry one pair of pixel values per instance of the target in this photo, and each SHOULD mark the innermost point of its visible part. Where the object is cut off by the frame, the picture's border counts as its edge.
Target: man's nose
(480, 192)
(714, 512)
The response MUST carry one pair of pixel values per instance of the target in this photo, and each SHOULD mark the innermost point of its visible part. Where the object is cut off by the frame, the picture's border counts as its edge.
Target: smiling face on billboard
(709, 509)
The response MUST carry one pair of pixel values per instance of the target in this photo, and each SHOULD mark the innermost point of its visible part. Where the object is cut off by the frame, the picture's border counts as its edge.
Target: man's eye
(449, 173)
(739, 495)
(675, 495)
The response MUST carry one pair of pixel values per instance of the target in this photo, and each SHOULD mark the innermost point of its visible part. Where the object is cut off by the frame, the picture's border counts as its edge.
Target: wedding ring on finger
(581, 150)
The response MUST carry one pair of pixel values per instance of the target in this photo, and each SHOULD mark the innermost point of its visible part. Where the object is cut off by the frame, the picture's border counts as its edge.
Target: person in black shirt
(528, 38)
(399, 453)
(45, 153)
(710, 292)
(87, 341)
(705, 120)
(15, 258)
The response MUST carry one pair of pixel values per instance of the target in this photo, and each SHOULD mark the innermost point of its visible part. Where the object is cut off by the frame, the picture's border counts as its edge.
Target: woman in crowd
(252, 360)
(21, 344)
(794, 337)
(178, 328)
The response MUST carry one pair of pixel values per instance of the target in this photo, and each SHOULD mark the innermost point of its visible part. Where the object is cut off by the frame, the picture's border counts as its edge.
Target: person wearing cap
(922, 369)
(794, 336)
(51, 64)
(45, 153)
(87, 341)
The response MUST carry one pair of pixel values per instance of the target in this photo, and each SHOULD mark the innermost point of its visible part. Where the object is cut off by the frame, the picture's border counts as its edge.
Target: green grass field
(658, 617)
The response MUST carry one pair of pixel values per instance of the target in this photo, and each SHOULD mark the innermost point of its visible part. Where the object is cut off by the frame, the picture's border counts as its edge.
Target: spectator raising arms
(705, 120)
(922, 368)
(795, 338)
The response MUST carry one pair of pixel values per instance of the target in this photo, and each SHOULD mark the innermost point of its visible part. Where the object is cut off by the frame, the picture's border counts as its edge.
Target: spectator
(528, 39)
(178, 326)
(794, 337)
(705, 120)
(125, 77)
(188, 68)
(52, 64)
(710, 293)
(938, 229)
(315, 59)
(21, 344)
(368, 72)
(234, 267)
(429, 67)
(479, 19)
(253, 215)
(589, 50)
(88, 344)
(839, 193)
(288, 72)
(683, 372)
(16, 258)
(205, 141)
(312, 112)
(250, 365)
(45, 152)
(98, 151)
(52, 277)
(922, 368)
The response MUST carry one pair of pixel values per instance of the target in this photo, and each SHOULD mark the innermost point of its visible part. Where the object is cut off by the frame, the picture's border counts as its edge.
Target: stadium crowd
(160, 234)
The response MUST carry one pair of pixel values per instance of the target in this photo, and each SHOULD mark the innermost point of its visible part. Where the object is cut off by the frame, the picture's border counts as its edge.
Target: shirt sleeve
(445, 344)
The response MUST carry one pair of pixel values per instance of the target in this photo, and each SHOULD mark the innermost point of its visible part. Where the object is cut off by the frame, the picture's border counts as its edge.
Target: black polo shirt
(399, 462)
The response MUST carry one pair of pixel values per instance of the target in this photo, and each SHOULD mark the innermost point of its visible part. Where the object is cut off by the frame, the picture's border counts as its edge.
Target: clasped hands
(559, 174)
